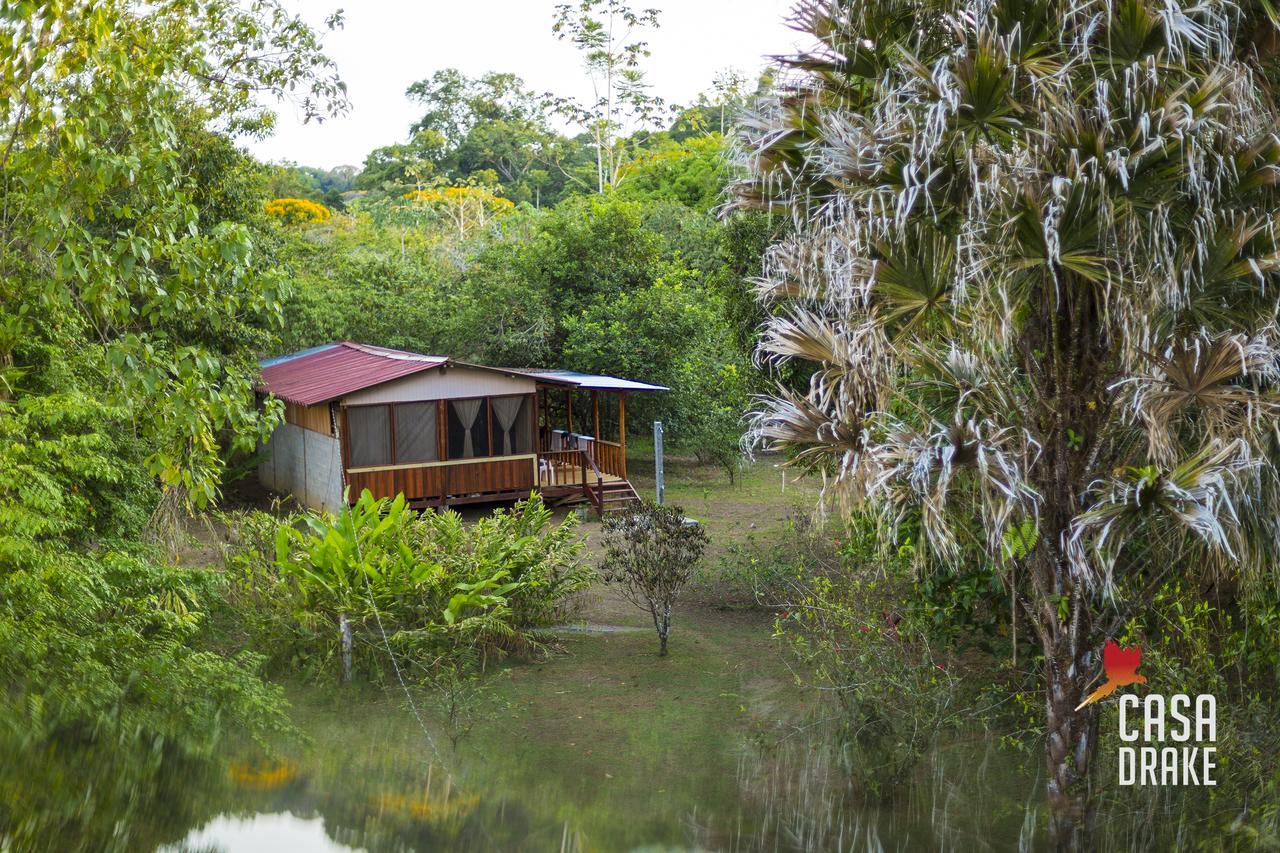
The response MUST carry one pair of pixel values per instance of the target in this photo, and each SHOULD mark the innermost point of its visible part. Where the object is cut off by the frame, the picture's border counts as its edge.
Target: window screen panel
(510, 425)
(468, 428)
(416, 433)
(370, 439)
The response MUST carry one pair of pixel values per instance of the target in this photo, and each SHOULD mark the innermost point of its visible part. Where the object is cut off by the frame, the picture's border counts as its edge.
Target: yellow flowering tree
(467, 207)
(298, 211)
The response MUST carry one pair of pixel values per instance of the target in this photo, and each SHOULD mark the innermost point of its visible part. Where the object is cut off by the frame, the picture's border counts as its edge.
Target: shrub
(438, 591)
(651, 553)
(761, 571)
(851, 625)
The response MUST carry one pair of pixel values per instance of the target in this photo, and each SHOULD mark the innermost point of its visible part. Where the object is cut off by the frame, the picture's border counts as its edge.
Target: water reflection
(366, 781)
(263, 833)
(971, 794)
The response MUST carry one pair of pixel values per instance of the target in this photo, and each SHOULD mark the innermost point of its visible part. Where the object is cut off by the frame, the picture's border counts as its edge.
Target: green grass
(755, 504)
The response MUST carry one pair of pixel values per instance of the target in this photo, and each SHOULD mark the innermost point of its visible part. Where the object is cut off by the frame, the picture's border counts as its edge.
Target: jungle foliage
(419, 591)
(136, 286)
(1034, 265)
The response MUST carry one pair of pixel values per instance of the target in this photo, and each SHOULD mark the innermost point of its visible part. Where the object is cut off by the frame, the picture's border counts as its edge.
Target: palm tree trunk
(1071, 740)
(1071, 736)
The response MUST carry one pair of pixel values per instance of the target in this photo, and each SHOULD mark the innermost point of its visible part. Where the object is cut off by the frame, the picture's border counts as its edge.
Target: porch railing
(571, 468)
(608, 455)
(561, 468)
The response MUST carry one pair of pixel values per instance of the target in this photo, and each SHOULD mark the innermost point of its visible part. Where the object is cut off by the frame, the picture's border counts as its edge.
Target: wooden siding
(314, 418)
(460, 479)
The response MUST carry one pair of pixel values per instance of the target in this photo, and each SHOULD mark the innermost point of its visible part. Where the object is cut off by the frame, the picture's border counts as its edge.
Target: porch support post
(622, 431)
(568, 409)
(544, 412)
(535, 433)
(595, 406)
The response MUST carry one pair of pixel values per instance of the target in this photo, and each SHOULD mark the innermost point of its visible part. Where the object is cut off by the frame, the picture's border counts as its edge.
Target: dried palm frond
(1219, 386)
(1196, 496)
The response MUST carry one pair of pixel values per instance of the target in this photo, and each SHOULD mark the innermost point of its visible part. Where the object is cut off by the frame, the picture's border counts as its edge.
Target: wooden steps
(613, 496)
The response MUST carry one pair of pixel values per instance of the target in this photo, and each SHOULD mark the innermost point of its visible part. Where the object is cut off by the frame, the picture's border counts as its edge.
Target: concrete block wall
(305, 464)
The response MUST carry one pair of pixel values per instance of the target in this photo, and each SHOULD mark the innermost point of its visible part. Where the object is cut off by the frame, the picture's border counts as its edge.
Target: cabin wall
(447, 384)
(315, 418)
(305, 464)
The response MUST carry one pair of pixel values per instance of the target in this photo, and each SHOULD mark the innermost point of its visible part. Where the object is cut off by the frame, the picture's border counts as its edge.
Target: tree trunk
(1071, 739)
(344, 626)
(664, 628)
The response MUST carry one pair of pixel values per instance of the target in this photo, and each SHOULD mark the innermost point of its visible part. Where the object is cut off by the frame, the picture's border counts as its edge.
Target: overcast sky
(387, 44)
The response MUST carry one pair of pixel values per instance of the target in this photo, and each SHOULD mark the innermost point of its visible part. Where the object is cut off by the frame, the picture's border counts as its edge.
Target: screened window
(370, 439)
(511, 426)
(468, 428)
(416, 433)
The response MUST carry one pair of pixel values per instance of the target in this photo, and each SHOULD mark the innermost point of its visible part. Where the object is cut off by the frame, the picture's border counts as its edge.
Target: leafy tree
(588, 248)
(1035, 266)
(289, 180)
(670, 333)
(693, 173)
(101, 237)
(393, 169)
(651, 553)
(298, 211)
(710, 392)
(134, 291)
(496, 123)
(466, 207)
(607, 33)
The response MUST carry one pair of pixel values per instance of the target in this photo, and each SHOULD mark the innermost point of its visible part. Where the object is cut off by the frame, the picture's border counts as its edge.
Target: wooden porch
(574, 465)
(567, 466)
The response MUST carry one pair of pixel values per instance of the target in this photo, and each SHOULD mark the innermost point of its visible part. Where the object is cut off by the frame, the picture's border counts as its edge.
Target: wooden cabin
(443, 432)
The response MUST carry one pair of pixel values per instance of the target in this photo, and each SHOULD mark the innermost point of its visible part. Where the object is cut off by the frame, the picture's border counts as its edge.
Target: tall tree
(714, 111)
(111, 245)
(1035, 262)
(607, 33)
(469, 125)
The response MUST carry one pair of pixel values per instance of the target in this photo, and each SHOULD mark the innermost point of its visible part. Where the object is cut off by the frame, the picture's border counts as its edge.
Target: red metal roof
(329, 372)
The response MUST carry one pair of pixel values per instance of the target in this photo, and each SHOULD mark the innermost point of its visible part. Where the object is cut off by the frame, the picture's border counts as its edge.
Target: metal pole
(657, 460)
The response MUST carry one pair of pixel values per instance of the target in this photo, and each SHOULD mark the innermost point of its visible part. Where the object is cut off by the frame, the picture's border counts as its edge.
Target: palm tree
(1035, 265)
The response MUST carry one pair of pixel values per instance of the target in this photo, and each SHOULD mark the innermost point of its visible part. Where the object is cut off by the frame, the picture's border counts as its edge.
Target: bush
(437, 591)
(762, 571)
(651, 553)
(855, 624)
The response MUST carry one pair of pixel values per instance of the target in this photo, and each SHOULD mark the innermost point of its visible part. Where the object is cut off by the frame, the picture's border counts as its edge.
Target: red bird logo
(1121, 666)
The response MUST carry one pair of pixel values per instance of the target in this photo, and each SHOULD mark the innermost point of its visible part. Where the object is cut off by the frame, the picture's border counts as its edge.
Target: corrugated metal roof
(595, 382)
(326, 373)
(281, 359)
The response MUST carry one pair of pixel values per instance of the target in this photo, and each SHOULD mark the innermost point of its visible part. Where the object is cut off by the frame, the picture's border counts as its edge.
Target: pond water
(972, 795)
(604, 747)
